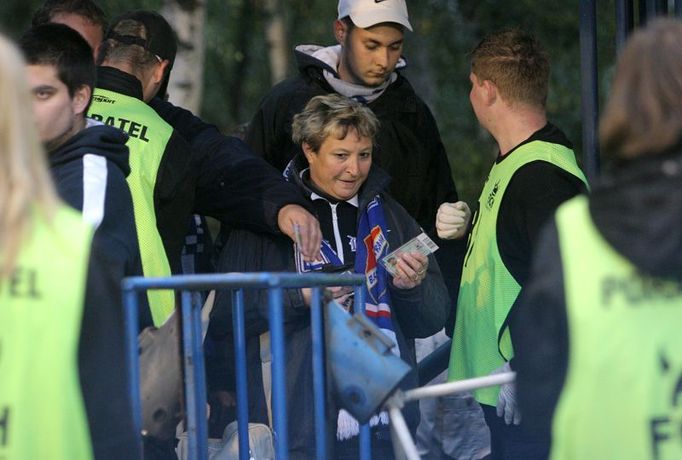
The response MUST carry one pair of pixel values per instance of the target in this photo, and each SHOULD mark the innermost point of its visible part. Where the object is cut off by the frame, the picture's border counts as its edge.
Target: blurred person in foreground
(535, 171)
(360, 224)
(600, 353)
(64, 390)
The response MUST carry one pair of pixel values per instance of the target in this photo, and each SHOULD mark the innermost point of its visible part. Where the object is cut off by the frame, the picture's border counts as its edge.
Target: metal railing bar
(240, 367)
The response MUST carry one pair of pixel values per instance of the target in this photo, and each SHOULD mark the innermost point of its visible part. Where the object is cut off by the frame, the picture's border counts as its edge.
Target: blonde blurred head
(643, 115)
(26, 188)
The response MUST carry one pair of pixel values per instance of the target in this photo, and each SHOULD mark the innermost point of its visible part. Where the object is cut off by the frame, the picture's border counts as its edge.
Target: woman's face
(341, 166)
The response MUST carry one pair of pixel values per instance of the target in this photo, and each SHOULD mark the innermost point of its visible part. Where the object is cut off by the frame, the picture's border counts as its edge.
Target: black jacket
(233, 185)
(419, 312)
(408, 146)
(215, 177)
(637, 208)
(89, 172)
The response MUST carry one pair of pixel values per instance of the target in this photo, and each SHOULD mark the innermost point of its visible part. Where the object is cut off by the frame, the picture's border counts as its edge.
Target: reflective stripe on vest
(148, 137)
(481, 341)
(42, 414)
(622, 397)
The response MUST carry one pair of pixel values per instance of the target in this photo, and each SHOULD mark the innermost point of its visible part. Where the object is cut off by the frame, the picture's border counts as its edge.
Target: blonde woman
(63, 391)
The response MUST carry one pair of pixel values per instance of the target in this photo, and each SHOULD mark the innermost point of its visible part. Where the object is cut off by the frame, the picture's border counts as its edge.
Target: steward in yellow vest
(597, 330)
(63, 391)
(492, 277)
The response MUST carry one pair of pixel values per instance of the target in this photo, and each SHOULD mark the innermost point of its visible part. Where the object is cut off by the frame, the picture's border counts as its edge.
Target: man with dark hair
(535, 171)
(82, 15)
(366, 65)
(89, 163)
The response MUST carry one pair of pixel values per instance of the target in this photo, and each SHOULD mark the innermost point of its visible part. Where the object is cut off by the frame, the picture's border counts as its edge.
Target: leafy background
(237, 71)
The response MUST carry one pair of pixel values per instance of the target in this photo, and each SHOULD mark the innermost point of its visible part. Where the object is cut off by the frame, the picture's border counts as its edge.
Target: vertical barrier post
(240, 367)
(624, 19)
(196, 409)
(199, 374)
(678, 8)
(131, 309)
(365, 432)
(279, 409)
(589, 94)
(319, 374)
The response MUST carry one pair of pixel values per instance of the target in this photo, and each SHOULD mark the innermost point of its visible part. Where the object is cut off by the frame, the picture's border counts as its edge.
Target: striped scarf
(371, 247)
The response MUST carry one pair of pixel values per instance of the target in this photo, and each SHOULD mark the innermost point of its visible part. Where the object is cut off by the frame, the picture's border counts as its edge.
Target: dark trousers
(513, 442)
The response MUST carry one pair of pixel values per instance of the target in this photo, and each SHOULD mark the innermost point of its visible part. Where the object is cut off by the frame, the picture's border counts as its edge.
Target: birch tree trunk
(276, 37)
(188, 18)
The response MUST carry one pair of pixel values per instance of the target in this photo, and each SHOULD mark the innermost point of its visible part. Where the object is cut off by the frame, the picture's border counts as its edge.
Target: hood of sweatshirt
(97, 139)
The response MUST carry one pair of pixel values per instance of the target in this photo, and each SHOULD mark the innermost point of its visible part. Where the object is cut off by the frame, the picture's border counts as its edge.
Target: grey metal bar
(460, 386)
(624, 18)
(589, 93)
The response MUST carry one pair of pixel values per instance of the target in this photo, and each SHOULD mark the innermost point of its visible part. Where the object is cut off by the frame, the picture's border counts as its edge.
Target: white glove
(506, 401)
(452, 220)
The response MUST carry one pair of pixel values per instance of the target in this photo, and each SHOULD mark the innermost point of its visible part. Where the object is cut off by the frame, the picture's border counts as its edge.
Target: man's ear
(160, 71)
(489, 92)
(81, 99)
(340, 31)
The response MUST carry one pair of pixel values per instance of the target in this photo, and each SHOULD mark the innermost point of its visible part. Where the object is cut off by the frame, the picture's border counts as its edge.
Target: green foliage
(237, 71)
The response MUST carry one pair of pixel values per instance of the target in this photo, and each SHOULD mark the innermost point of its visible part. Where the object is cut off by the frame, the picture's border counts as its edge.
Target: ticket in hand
(420, 243)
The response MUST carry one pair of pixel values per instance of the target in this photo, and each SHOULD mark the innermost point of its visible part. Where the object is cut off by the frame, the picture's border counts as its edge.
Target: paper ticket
(420, 243)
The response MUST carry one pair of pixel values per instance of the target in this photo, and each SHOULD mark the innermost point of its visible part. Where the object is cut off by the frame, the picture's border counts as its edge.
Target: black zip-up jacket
(637, 208)
(418, 312)
(408, 146)
(217, 177)
(89, 172)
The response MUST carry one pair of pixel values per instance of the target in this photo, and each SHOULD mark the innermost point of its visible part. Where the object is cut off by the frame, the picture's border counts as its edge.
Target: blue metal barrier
(194, 376)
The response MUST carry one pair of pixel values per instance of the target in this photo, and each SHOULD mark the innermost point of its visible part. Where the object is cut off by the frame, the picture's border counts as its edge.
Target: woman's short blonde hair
(643, 114)
(332, 115)
(25, 184)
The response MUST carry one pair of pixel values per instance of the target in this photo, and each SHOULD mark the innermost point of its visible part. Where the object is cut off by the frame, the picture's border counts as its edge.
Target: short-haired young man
(89, 164)
(535, 171)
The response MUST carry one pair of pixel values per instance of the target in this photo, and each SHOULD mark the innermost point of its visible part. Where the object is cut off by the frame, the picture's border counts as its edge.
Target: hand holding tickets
(408, 264)
(452, 220)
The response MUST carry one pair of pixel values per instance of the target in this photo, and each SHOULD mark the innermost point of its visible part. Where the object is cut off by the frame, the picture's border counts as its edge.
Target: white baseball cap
(367, 13)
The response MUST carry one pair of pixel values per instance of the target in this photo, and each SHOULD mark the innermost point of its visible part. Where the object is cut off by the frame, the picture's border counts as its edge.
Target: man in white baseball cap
(366, 65)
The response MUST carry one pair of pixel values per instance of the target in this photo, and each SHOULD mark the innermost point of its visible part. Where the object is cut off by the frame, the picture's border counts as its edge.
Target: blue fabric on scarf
(372, 246)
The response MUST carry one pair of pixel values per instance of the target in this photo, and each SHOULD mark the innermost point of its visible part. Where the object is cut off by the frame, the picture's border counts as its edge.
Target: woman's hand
(412, 267)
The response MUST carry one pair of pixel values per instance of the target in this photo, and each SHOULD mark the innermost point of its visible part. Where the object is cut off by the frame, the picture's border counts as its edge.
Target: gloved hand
(452, 220)
(506, 401)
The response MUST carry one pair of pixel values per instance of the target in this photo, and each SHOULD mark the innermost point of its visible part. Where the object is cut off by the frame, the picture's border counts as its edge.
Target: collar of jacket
(398, 97)
(112, 79)
(637, 207)
(97, 139)
(376, 183)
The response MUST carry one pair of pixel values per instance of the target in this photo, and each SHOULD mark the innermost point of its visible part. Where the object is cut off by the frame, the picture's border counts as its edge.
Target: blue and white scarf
(371, 247)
